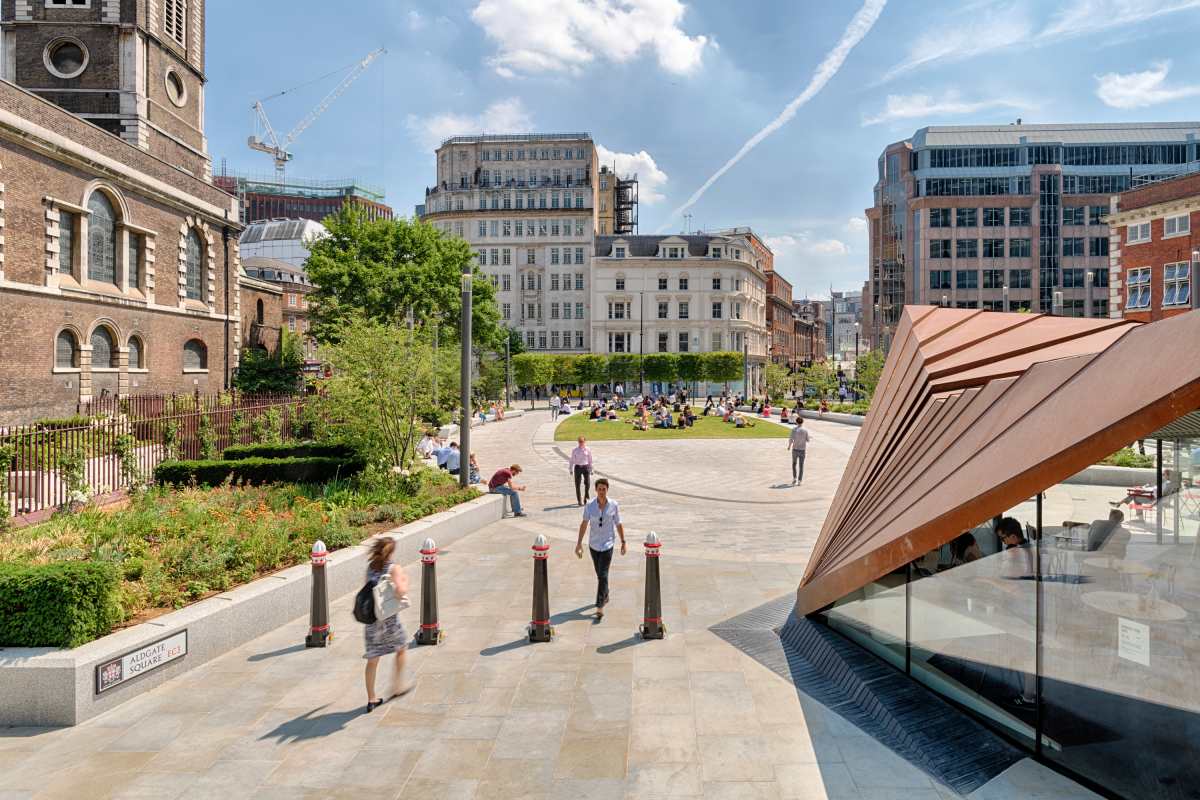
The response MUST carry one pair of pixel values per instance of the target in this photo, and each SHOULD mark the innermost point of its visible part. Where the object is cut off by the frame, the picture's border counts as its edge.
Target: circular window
(65, 57)
(176, 89)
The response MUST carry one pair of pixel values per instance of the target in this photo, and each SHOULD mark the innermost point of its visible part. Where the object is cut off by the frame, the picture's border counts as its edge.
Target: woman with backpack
(387, 635)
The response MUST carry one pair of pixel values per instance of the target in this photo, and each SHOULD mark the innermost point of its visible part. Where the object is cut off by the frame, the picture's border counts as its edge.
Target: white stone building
(285, 239)
(526, 203)
(673, 294)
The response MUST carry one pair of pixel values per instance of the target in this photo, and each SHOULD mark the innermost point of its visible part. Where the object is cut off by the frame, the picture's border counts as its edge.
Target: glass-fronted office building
(1066, 617)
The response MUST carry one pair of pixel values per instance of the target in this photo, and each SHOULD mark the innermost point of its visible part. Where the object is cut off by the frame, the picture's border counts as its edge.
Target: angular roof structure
(977, 411)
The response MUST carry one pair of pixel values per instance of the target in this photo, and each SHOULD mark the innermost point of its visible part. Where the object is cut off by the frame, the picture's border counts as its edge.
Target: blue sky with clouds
(791, 102)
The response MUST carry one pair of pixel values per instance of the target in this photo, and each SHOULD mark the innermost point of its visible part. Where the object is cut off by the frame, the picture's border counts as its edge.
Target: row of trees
(822, 378)
(543, 369)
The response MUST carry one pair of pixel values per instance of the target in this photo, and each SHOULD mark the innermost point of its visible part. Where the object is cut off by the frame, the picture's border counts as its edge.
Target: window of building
(65, 57)
(495, 257)
(175, 20)
(939, 279)
(554, 281)
(1138, 284)
(291, 299)
(195, 355)
(1177, 284)
(1137, 233)
(554, 340)
(966, 279)
(620, 282)
(531, 256)
(674, 252)
(1020, 278)
(1072, 278)
(1072, 246)
(993, 278)
(176, 88)
(683, 310)
(939, 248)
(618, 252)
(541, 340)
(663, 341)
(1019, 248)
(291, 324)
(966, 248)
(566, 254)
(716, 284)
(66, 351)
(939, 217)
(137, 354)
(717, 310)
(1100, 277)
(716, 252)
(554, 311)
(506, 311)
(1095, 214)
(529, 339)
(506, 283)
(1018, 217)
(1098, 246)
(68, 224)
(68, 3)
(966, 217)
(578, 255)
(683, 341)
(993, 248)
(716, 341)
(506, 257)
(662, 283)
(1176, 226)
(578, 281)
(102, 239)
(663, 310)
(579, 311)
(1073, 215)
(192, 263)
(993, 217)
(618, 342)
(683, 283)
(578, 340)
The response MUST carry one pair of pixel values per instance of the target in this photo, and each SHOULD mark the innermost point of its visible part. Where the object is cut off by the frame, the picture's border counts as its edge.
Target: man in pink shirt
(580, 465)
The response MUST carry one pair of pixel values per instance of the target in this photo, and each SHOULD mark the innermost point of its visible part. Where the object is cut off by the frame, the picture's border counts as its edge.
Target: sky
(762, 113)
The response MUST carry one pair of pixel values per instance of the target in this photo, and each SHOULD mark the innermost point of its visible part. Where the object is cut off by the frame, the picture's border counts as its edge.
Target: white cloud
(803, 244)
(540, 36)
(651, 179)
(814, 263)
(1139, 89)
(920, 106)
(856, 225)
(415, 21)
(860, 25)
(503, 116)
(1007, 25)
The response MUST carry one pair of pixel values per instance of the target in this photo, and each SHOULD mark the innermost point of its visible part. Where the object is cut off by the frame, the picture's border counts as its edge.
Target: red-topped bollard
(539, 625)
(431, 631)
(652, 624)
(318, 618)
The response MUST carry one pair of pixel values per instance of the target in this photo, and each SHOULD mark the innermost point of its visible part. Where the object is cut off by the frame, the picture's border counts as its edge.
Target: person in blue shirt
(442, 454)
(453, 459)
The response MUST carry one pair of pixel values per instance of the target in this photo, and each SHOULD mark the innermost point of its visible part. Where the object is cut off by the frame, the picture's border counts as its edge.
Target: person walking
(385, 636)
(555, 406)
(580, 465)
(798, 443)
(601, 520)
(502, 483)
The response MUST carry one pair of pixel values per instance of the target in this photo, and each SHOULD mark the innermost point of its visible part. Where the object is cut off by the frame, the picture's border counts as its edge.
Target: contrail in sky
(859, 27)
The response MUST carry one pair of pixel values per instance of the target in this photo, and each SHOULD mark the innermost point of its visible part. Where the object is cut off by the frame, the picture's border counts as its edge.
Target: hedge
(63, 604)
(312, 469)
(289, 450)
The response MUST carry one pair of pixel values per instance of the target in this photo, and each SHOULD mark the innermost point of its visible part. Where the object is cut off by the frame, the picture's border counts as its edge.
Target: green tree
(591, 369)
(622, 367)
(381, 386)
(385, 269)
(565, 373)
(868, 370)
(533, 370)
(662, 367)
(777, 380)
(261, 372)
(822, 377)
(722, 366)
(516, 345)
(690, 367)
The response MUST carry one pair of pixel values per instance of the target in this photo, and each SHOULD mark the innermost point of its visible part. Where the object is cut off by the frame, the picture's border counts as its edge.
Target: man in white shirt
(603, 517)
(798, 443)
(426, 445)
(580, 466)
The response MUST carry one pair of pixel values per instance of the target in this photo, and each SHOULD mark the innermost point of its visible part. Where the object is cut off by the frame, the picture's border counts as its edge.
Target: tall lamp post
(507, 367)
(642, 338)
(464, 420)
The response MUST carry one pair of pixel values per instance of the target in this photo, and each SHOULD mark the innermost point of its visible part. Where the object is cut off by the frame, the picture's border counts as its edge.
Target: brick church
(119, 270)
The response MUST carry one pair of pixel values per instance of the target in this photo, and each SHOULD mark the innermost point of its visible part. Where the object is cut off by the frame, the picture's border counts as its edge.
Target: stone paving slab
(597, 713)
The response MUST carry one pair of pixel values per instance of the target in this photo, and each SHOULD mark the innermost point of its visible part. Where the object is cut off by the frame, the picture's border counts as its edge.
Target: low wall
(828, 416)
(1104, 475)
(47, 686)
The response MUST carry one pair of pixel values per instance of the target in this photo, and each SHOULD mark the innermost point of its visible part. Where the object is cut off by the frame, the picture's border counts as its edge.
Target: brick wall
(1154, 254)
(1161, 192)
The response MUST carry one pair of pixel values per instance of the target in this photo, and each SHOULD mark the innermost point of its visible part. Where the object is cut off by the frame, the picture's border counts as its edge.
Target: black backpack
(364, 603)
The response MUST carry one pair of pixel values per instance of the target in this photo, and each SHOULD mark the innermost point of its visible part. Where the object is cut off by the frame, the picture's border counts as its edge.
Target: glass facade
(1070, 623)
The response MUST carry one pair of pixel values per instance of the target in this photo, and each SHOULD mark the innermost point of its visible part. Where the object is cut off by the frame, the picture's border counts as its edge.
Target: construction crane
(268, 142)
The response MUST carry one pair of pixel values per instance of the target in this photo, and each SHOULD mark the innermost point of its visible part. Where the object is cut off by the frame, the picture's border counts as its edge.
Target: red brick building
(1155, 249)
(262, 198)
(118, 257)
(781, 325)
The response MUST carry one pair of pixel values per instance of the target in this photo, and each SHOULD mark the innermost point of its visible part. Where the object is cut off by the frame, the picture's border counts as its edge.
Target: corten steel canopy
(977, 411)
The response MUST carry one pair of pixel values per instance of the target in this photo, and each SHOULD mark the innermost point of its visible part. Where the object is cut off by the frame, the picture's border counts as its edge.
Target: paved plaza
(597, 713)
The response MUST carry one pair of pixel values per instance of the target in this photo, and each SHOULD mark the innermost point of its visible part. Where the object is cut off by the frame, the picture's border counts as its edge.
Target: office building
(272, 197)
(812, 331)
(616, 203)
(118, 256)
(781, 321)
(846, 325)
(1155, 249)
(284, 240)
(1008, 216)
(526, 203)
(680, 294)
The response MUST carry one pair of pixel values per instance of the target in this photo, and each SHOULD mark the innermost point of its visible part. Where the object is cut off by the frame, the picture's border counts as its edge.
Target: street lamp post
(464, 420)
(507, 367)
(642, 338)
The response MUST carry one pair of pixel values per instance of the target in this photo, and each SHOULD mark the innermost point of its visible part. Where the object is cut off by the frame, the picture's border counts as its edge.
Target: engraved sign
(138, 662)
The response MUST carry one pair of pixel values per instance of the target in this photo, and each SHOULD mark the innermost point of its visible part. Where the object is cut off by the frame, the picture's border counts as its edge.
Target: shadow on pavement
(283, 651)
(311, 725)
(574, 615)
(606, 649)
(560, 508)
(504, 648)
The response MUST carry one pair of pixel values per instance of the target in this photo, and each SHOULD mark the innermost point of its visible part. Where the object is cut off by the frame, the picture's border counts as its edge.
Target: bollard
(539, 626)
(431, 632)
(318, 618)
(652, 624)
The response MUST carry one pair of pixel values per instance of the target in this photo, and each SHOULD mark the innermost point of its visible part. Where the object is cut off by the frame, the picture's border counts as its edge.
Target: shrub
(62, 604)
(72, 469)
(53, 424)
(125, 448)
(1128, 457)
(214, 472)
(290, 450)
(207, 437)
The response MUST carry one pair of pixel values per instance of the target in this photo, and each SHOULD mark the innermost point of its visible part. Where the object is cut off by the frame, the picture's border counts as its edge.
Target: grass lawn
(578, 425)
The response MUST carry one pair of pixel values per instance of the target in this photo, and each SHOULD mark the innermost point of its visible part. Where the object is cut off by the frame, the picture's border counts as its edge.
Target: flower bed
(173, 547)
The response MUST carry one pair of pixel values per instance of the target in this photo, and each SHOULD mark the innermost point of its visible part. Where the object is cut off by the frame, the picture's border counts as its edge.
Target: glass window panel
(102, 235)
(67, 223)
(104, 354)
(875, 616)
(192, 264)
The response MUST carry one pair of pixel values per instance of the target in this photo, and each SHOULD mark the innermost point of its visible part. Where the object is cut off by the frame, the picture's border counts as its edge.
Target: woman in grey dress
(385, 636)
